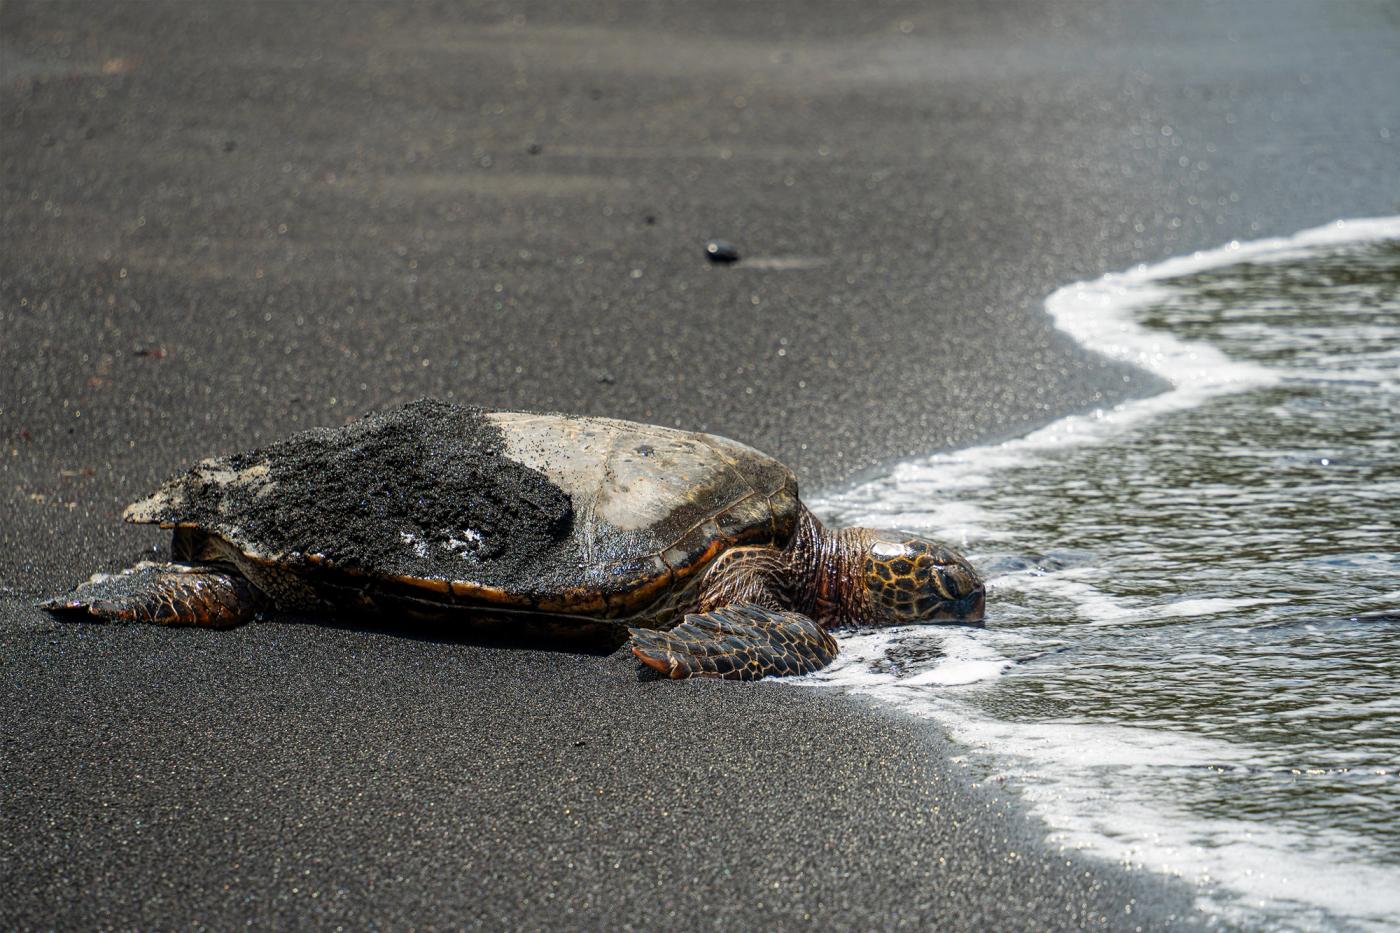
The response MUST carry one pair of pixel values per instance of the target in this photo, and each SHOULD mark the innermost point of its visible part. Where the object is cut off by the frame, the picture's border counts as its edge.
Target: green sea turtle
(694, 545)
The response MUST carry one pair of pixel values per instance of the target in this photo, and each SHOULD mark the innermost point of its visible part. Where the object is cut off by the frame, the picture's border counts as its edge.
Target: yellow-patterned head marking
(912, 579)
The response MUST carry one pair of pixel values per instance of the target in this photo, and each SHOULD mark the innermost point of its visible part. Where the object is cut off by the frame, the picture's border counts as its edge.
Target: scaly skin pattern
(764, 612)
(738, 642)
(819, 574)
(896, 585)
(164, 594)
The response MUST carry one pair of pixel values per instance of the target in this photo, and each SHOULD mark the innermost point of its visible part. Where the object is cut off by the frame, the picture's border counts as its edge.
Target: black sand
(226, 222)
(431, 471)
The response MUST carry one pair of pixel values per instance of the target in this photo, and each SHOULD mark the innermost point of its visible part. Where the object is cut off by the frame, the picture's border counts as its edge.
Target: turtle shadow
(601, 639)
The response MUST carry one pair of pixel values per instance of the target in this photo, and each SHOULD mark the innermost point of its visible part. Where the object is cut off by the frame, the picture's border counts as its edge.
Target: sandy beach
(226, 222)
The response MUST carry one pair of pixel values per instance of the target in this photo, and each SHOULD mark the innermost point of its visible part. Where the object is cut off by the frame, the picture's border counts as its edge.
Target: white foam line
(1275, 249)
(1127, 822)
(1099, 315)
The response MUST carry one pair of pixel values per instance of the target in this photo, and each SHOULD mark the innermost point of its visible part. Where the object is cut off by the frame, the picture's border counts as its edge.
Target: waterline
(1188, 662)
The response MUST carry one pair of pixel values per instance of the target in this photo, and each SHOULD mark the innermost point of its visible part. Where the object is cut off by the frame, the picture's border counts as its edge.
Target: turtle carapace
(694, 547)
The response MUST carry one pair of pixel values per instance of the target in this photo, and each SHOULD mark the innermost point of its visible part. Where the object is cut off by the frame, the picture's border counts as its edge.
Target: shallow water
(1190, 658)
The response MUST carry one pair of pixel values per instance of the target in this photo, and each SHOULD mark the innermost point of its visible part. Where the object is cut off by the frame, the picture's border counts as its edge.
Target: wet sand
(223, 223)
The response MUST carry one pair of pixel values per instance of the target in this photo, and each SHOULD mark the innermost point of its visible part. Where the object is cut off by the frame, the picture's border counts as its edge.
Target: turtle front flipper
(165, 594)
(743, 641)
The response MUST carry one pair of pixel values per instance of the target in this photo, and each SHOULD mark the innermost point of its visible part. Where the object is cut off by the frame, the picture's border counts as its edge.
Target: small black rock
(534, 148)
(720, 251)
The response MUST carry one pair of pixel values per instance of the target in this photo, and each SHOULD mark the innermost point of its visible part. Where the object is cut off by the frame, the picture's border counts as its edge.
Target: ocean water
(1191, 658)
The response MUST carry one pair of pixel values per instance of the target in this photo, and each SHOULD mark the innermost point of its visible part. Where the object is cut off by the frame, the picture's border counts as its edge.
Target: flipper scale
(739, 642)
(163, 594)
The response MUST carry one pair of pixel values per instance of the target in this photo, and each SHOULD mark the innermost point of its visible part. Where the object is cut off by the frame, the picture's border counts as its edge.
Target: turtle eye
(917, 580)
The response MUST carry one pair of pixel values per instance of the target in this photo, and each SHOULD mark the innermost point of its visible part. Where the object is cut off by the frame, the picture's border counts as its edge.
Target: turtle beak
(971, 606)
(969, 593)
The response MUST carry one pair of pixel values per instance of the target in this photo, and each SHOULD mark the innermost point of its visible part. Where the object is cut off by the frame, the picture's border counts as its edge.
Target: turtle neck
(826, 569)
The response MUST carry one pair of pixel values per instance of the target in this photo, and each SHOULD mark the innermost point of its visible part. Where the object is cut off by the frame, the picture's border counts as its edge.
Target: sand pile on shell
(422, 490)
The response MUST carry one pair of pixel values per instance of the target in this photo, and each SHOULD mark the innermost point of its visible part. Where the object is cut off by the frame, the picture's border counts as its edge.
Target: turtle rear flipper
(743, 641)
(165, 594)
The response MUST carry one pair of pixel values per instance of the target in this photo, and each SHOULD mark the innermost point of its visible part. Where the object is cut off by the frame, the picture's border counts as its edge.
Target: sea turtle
(515, 521)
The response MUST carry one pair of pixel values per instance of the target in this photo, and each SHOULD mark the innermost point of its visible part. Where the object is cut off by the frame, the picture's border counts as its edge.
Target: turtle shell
(543, 512)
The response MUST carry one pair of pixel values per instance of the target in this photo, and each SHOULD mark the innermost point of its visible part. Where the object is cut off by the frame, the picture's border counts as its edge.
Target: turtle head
(910, 580)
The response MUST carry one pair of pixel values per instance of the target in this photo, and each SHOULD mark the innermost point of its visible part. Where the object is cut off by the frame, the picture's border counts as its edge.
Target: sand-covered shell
(543, 511)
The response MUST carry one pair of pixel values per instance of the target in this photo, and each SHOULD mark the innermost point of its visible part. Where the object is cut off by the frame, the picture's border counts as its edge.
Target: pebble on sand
(721, 251)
